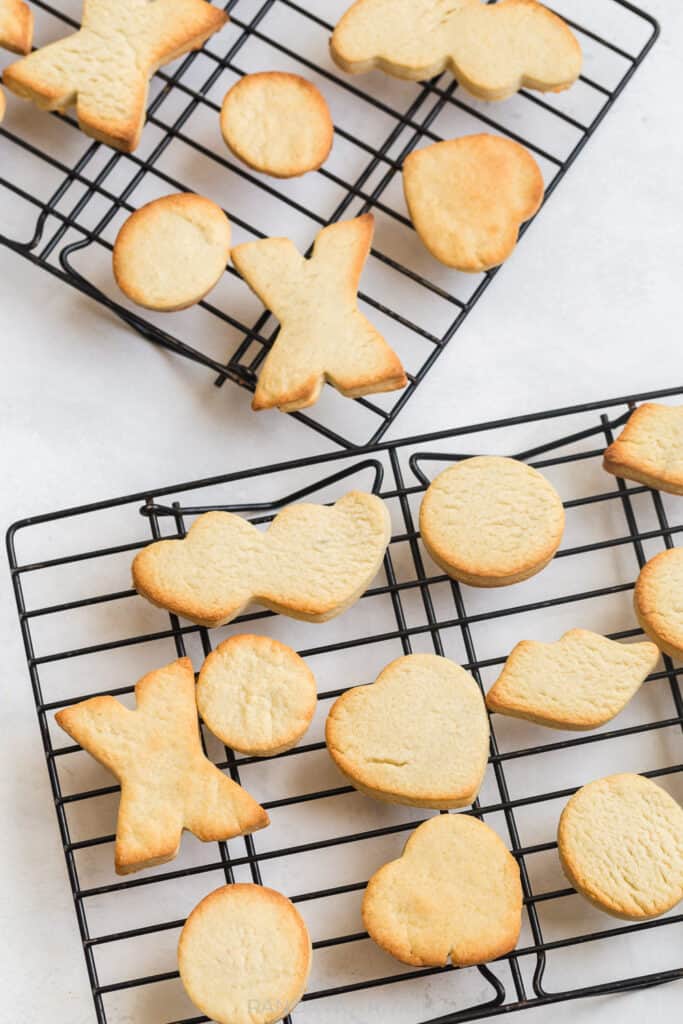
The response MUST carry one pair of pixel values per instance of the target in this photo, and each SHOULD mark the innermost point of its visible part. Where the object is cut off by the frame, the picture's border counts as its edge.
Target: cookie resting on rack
(620, 842)
(579, 682)
(323, 335)
(492, 49)
(256, 695)
(171, 252)
(105, 67)
(453, 895)
(16, 26)
(244, 955)
(468, 197)
(167, 783)
(649, 449)
(277, 123)
(418, 735)
(490, 521)
(658, 603)
(312, 563)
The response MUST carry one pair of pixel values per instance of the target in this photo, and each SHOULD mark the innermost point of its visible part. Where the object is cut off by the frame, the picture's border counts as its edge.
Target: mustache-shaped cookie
(312, 563)
(579, 682)
(419, 735)
(492, 50)
(453, 894)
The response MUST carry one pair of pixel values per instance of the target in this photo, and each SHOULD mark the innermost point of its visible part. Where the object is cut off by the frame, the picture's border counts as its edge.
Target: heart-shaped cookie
(453, 894)
(419, 735)
(468, 197)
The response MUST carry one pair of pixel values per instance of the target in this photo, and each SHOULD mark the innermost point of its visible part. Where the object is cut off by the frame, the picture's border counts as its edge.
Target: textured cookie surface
(580, 682)
(105, 67)
(311, 563)
(277, 123)
(167, 784)
(620, 841)
(16, 26)
(419, 735)
(454, 894)
(467, 198)
(170, 253)
(489, 521)
(650, 448)
(492, 50)
(658, 600)
(244, 955)
(323, 335)
(256, 694)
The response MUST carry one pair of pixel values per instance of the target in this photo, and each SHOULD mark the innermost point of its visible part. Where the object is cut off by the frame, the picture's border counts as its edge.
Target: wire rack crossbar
(71, 229)
(563, 441)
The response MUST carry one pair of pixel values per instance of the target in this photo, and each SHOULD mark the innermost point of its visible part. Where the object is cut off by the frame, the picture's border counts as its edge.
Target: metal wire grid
(398, 472)
(95, 187)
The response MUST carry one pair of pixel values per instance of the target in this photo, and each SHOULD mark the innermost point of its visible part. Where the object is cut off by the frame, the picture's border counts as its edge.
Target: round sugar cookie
(419, 735)
(170, 253)
(658, 600)
(256, 694)
(244, 955)
(277, 123)
(620, 841)
(453, 894)
(490, 521)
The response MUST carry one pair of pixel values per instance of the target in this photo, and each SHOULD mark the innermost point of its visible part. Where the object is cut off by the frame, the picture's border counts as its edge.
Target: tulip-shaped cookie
(579, 682)
(323, 335)
(650, 448)
(453, 894)
(312, 563)
(105, 67)
(419, 735)
(492, 49)
(167, 784)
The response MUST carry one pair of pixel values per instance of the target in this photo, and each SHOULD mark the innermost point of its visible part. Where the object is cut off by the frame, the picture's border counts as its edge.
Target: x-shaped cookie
(105, 67)
(323, 335)
(167, 784)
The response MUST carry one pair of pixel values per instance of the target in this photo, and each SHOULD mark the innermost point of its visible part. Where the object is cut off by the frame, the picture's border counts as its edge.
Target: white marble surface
(588, 308)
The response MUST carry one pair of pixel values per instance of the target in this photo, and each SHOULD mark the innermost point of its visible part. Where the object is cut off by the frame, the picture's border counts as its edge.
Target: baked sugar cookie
(468, 197)
(323, 335)
(244, 955)
(490, 521)
(256, 694)
(167, 783)
(650, 448)
(419, 735)
(453, 894)
(579, 682)
(105, 67)
(170, 253)
(312, 563)
(492, 50)
(16, 26)
(658, 600)
(620, 842)
(277, 123)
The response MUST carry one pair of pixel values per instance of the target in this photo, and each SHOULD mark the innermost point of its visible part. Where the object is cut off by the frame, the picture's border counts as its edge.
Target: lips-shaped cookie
(468, 197)
(453, 894)
(312, 563)
(419, 735)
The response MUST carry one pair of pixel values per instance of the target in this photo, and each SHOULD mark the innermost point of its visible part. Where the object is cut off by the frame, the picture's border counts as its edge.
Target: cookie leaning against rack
(312, 563)
(493, 50)
(323, 335)
(167, 783)
(105, 67)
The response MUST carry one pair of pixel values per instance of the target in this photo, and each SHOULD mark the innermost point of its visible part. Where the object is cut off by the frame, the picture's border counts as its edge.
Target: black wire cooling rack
(85, 631)
(64, 197)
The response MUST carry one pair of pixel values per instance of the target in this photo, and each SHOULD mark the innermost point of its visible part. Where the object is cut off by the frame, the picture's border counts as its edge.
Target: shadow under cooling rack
(69, 195)
(86, 631)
